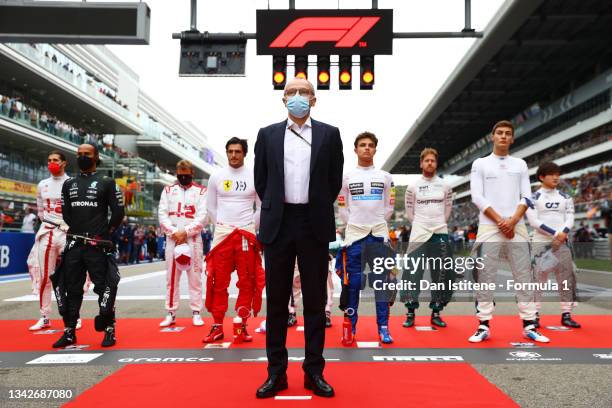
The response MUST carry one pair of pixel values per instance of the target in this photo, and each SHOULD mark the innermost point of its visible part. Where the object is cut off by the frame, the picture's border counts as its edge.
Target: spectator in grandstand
(583, 240)
(43, 121)
(151, 243)
(125, 234)
(138, 238)
(29, 221)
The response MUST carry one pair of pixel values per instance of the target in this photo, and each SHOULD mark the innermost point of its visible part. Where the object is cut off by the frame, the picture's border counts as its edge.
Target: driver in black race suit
(86, 200)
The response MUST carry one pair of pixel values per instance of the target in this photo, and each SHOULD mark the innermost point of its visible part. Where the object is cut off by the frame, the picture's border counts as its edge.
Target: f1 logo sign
(324, 32)
(345, 31)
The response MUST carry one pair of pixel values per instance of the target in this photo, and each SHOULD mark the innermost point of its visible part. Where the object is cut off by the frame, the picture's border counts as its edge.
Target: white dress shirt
(297, 162)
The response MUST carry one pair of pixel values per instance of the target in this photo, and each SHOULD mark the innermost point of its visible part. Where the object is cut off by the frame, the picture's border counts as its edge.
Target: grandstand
(548, 68)
(55, 97)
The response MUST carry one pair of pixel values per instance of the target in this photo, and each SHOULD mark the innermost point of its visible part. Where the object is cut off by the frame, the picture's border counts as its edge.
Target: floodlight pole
(194, 15)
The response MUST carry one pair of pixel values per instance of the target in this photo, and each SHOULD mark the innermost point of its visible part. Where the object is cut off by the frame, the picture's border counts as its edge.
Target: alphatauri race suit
(365, 202)
(183, 208)
(428, 204)
(553, 213)
(502, 183)
(86, 202)
(233, 206)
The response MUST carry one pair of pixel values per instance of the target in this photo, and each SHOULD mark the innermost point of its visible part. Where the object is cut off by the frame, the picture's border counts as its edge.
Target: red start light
(368, 77)
(301, 75)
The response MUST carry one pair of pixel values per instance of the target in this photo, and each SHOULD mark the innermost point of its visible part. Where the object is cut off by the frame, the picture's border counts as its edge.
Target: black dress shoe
(273, 384)
(317, 384)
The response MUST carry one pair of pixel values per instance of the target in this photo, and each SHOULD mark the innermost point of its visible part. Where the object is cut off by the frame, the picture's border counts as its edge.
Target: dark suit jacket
(326, 163)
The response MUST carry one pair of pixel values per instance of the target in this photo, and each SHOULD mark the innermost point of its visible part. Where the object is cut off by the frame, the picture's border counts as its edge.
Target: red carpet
(375, 384)
(145, 334)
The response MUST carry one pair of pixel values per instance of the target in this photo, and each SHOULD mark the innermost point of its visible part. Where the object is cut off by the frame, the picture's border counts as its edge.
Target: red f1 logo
(346, 31)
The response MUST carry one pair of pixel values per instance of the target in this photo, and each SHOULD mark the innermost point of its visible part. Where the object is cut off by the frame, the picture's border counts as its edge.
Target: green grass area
(596, 264)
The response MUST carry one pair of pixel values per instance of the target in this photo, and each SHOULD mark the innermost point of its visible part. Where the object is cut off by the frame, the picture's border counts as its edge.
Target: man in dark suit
(298, 174)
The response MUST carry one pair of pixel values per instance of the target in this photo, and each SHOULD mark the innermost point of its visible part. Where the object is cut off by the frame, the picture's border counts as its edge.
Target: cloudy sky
(224, 107)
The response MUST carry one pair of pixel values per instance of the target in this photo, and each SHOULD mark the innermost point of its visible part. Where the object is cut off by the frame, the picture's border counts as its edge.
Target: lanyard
(300, 136)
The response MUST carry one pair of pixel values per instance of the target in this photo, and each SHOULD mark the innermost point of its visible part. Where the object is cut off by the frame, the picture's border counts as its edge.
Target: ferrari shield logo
(227, 185)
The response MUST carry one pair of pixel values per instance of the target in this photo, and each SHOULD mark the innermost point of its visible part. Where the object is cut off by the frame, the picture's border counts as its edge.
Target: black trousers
(296, 239)
(79, 260)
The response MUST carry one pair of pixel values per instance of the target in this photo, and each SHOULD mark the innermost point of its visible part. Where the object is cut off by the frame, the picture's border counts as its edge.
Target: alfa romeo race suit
(183, 208)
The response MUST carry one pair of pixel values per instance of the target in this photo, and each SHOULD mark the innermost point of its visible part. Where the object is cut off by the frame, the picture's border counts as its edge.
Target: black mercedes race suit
(86, 200)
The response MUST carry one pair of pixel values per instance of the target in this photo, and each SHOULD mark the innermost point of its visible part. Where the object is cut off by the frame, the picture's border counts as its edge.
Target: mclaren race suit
(86, 200)
(234, 207)
(183, 208)
(365, 202)
(553, 213)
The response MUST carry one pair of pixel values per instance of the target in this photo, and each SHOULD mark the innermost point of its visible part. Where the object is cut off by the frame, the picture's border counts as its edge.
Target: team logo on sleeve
(227, 185)
(341, 202)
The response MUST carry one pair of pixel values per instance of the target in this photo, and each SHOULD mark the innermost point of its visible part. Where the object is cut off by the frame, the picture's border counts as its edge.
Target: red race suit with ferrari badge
(233, 207)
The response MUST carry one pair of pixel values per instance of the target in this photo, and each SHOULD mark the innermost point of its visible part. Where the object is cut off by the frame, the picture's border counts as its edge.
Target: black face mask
(84, 162)
(185, 179)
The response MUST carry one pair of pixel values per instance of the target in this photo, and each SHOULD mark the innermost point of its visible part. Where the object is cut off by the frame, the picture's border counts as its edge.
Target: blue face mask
(298, 105)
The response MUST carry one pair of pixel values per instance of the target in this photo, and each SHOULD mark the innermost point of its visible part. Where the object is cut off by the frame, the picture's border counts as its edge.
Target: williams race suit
(502, 183)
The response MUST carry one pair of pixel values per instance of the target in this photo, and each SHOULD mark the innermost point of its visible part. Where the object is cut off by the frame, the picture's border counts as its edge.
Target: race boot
(529, 331)
(67, 339)
(537, 320)
(42, 323)
(216, 333)
(409, 320)
(292, 321)
(566, 320)
(482, 333)
(79, 324)
(328, 319)
(247, 338)
(109, 337)
(168, 321)
(348, 332)
(197, 319)
(385, 336)
(436, 320)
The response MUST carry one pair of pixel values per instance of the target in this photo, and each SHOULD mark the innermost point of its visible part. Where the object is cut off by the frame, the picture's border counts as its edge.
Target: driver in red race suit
(233, 207)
